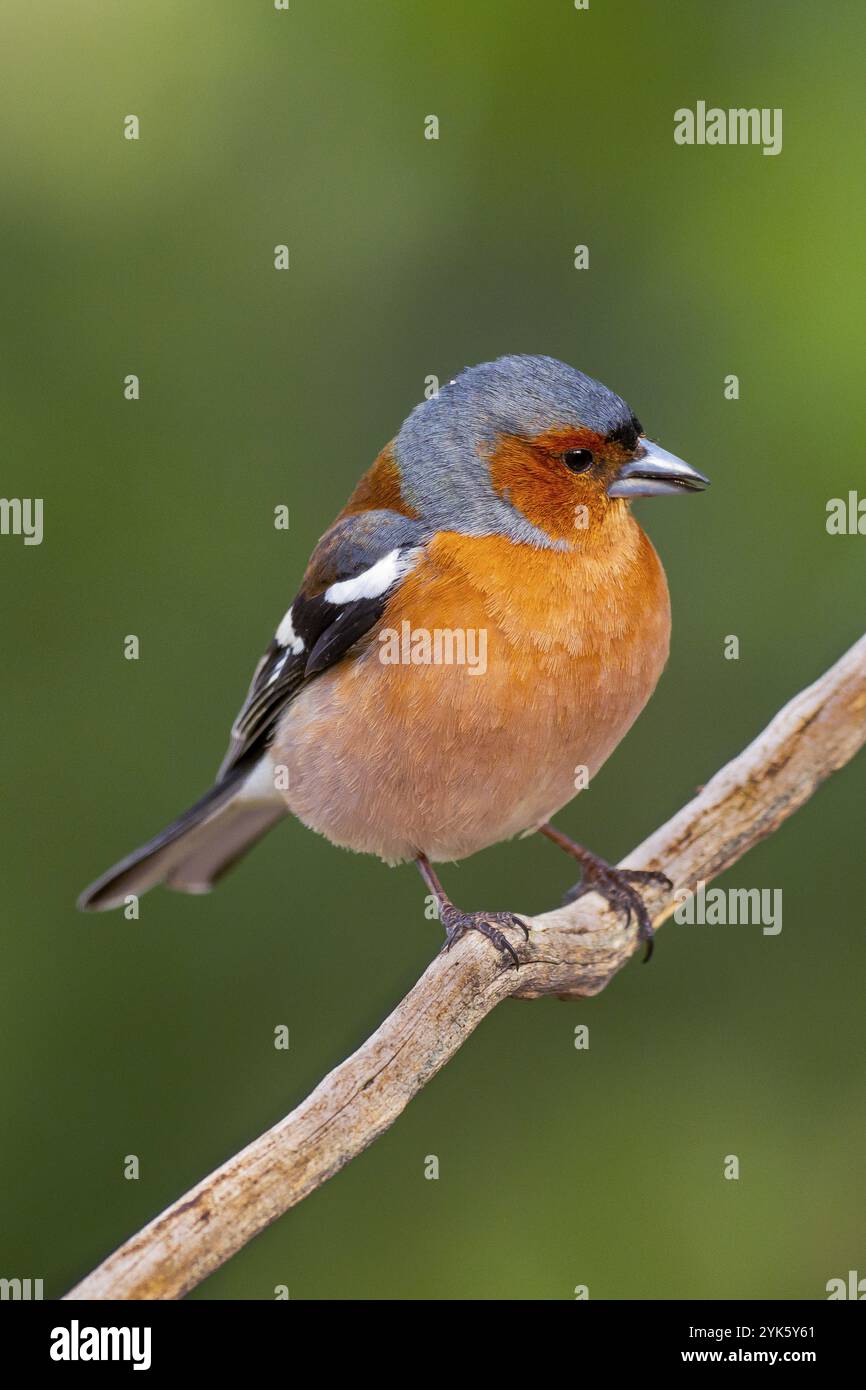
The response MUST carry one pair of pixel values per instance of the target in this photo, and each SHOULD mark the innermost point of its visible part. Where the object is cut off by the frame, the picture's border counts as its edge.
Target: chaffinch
(473, 636)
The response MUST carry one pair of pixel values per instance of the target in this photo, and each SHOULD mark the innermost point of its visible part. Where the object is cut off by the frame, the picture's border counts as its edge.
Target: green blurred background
(408, 258)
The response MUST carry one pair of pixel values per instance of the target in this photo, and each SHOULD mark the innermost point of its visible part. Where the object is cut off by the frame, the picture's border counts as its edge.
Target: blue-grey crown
(440, 447)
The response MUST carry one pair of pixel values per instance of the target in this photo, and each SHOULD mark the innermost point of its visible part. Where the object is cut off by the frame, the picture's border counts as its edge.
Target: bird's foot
(616, 887)
(489, 924)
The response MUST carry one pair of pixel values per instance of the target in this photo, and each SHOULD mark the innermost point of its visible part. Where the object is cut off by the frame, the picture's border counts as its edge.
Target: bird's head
(532, 449)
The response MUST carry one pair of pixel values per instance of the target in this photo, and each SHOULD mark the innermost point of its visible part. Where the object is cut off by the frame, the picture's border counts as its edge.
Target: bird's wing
(351, 574)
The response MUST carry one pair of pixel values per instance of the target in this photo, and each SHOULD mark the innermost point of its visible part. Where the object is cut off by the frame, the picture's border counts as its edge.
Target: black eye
(578, 460)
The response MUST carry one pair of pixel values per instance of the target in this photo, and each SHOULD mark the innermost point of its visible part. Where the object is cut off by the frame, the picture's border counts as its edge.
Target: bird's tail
(196, 849)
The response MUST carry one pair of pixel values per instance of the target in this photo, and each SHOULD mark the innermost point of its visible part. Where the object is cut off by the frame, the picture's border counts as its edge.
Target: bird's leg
(456, 923)
(614, 885)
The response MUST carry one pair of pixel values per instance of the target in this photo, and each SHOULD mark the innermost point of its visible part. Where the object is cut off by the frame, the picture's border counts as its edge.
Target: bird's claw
(615, 886)
(457, 923)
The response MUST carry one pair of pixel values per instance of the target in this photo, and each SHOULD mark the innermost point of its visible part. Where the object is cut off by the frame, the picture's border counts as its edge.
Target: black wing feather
(327, 630)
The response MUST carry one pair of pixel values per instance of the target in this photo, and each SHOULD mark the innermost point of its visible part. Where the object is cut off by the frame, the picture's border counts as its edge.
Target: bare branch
(572, 952)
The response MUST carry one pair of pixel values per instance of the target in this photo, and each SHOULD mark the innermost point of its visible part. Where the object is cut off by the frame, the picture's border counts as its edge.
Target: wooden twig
(572, 952)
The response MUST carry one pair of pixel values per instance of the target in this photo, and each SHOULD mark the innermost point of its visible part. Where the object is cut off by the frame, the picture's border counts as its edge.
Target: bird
(472, 638)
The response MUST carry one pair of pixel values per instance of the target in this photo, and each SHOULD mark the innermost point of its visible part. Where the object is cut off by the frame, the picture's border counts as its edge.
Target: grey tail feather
(195, 850)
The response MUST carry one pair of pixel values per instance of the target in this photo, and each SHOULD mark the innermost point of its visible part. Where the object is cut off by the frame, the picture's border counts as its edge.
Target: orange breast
(561, 650)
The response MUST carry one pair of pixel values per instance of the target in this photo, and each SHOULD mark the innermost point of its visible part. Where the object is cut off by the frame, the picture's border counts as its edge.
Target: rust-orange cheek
(536, 481)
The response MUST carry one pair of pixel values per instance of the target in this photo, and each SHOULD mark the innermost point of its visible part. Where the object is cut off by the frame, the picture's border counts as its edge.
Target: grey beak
(653, 472)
